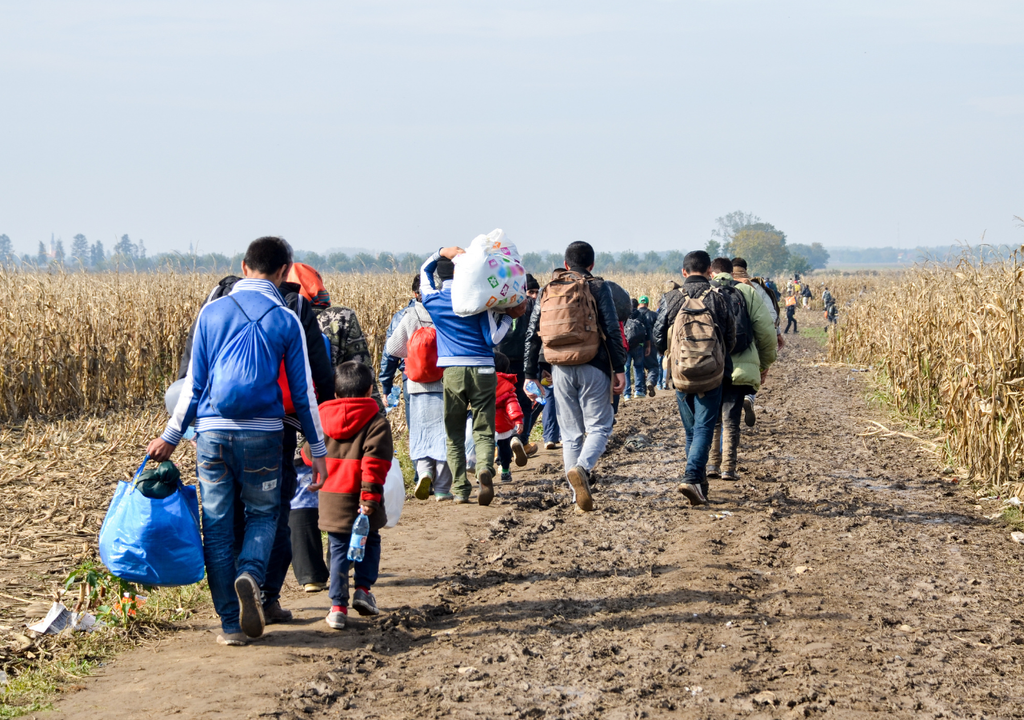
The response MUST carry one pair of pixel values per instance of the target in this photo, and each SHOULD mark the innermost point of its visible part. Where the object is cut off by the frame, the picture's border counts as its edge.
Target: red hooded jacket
(507, 412)
(359, 454)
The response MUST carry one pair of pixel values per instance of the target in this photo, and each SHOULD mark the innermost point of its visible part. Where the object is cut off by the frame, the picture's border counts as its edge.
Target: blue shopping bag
(153, 542)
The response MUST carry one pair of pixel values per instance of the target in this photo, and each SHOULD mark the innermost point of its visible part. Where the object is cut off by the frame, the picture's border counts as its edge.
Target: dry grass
(947, 342)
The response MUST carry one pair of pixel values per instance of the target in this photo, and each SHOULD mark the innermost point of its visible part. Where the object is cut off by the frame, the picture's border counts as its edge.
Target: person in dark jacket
(583, 393)
(699, 412)
(651, 363)
(323, 381)
(514, 348)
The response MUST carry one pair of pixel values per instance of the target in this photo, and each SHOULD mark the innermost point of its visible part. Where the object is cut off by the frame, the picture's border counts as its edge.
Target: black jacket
(693, 286)
(513, 345)
(611, 355)
(316, 349)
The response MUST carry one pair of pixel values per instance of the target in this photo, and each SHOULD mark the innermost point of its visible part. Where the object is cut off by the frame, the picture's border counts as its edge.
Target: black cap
(531, 282)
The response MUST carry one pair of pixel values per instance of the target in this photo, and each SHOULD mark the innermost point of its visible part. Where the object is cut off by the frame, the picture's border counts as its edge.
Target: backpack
(636, 332)
(698, 353)
(772, 295)
(738, 307)
(245, 368)
(421, 364)
(569, 328)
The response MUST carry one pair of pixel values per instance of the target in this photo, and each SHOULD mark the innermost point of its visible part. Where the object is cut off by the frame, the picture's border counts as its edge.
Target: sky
(405, 126)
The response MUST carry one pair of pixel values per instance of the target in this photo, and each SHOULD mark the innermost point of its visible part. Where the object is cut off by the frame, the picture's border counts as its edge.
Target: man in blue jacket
(231, 392)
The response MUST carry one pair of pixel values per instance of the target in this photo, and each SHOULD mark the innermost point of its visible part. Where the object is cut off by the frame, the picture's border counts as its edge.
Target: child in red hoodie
(359, 455)
(508, 420)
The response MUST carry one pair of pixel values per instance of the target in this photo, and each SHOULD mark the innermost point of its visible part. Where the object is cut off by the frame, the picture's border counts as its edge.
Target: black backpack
(738, 306)
(636, 332)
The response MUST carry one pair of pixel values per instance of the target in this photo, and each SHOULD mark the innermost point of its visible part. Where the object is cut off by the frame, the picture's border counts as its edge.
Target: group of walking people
(269, 357)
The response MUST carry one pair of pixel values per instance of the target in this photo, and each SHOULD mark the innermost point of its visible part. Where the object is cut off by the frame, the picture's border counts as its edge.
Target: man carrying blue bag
(232, 393)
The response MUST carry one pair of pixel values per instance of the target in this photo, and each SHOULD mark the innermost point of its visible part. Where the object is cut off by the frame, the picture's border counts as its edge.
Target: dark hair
(579, 255)
(697, 262)
(445, 269)
(739, 262)
(500, 362)
(352, 379)
(721, 265)
(531, 282)
(267, 255)
(416, 283)
(636, 303)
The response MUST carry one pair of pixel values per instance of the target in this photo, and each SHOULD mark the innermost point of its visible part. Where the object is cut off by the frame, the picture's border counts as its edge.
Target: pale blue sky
(407, 125)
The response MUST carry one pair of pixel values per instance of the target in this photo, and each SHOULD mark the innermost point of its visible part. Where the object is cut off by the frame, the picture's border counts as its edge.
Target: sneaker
(650, 390)
(274, 613)
(336, 620)
(365, 603)
(506, 476)
(250, 605)
(233, 639)
(730, 475)
(549, 445)
(519, 451)
(460, 499)
(580, 482)
(314, 587)
(714, 472)
(486, 492)
(442, 497)
(748, 412)
(693, 493)
(422, 491)
(531, 449)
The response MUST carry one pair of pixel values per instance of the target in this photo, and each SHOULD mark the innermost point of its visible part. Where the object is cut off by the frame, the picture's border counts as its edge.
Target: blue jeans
(250, 461)
(551, 433)
(281, 553)
(366, 570)
(700, 415)
(635, 359)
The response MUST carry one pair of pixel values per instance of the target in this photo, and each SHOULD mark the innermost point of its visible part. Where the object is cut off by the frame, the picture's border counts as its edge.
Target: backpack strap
(270, 310)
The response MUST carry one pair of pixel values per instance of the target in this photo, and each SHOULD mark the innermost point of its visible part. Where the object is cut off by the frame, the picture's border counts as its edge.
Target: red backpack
(421, 363)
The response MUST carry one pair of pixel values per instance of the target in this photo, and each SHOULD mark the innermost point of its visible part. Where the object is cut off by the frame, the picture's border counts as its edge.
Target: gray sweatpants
(583, 405)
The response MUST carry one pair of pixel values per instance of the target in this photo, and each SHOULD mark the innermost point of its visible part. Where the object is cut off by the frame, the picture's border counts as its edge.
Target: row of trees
(763, 246)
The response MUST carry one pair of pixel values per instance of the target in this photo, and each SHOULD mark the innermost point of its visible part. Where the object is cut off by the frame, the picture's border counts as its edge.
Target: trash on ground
(1017, 537)
(60, 618)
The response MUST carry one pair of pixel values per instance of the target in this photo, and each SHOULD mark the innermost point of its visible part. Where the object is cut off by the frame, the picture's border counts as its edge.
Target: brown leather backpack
(569, 328)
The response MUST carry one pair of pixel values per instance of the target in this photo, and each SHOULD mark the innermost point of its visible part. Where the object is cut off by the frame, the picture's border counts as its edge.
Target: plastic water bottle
(393, 397)
(357, 541)
(532, 389)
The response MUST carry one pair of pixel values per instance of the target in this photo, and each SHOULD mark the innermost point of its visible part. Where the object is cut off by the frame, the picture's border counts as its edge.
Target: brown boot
(274, 613)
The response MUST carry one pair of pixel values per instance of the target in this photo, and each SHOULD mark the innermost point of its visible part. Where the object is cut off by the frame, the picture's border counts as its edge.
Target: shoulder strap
(269, 310)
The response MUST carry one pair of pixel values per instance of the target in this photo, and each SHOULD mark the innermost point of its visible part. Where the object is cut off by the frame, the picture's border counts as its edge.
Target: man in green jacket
(750, 362)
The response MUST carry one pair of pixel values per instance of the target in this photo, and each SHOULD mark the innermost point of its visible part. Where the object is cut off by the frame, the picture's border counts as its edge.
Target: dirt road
(842, 576)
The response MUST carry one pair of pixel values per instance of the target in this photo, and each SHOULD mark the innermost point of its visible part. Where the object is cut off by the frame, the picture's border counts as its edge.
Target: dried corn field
(947, 342)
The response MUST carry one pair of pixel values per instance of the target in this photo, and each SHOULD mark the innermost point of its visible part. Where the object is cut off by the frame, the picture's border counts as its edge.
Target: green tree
(97, 255)
(603, 262)
(673, 261)
(363, 262)
(58, 252)
(815, 254)
(726, 228)
(41, 257)
(532, 262)
(798, 264)
(763, 247)
(6, 250)
(80, 249)
(652, 261)
(125, 248)
(713, 248)
(629, 261)
(338, 261)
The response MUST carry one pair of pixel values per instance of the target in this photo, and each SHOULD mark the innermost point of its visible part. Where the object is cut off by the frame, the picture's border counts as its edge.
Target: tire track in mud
(841, 576)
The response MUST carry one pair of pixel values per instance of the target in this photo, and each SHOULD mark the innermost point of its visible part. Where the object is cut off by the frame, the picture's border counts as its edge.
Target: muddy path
(841, 576)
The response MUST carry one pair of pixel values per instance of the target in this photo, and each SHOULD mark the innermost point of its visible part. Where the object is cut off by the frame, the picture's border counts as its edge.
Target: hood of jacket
(344, 417)
(310, 284)
(506, 384)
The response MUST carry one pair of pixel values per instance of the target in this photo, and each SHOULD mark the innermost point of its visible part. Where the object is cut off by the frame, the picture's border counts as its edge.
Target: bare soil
(841, 576)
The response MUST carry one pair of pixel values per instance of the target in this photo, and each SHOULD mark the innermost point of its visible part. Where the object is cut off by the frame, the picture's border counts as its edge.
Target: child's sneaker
(336, 619)
(442, 497)
(506, 476)
(365, 603)
(519, 451)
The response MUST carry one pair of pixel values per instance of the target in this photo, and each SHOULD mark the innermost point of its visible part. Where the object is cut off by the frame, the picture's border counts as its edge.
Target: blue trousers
(367, 569)
(700, 415)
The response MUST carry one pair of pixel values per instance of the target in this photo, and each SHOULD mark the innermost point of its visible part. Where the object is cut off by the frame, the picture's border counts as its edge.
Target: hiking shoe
(486, 492)
(551, 445)
(580, 482)
(274, 613)
(531, 449)
(730, 475)
(442, 497)
(706, 489)
(365, 603)
(336, 620)
(519, 451)
(714, 472)
(691, 491)
(506, 476)
(250, 607)
(233, 639)
(650, 390)
(422, 491)
(460, 499)
(314, 587)
(748, 412)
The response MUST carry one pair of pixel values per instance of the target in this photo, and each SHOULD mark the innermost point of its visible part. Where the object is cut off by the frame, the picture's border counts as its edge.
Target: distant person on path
(425, 406)
(389, 365)
(465, 350)
(790, 315)
(755, 350)
(361, 450)
(826, 297)
(588, 362)
(664, 373)
(232, 392)
(652, 365)
(696, 331)
(636, 338)
(805, 293)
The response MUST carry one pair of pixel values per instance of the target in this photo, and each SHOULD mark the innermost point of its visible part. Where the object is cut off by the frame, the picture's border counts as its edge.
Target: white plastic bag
(488, 276)
(394, 494)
